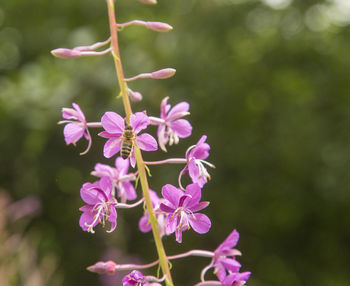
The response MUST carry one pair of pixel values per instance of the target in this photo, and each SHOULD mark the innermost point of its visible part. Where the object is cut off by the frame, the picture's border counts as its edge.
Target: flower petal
(181, 127)
(133, 158)
(112, 218)
(129, 191)
(200, 206)
(102, 170)
(180, 107)
(87, 218)
(162, 137)
(201, 151)
(146, 142)
(73, 132)
(193, 170)
(106, 185)
(165, 208)
(178, 235)
(81, 116)
(122, 165)
(200, 223)
(144, 224)
(171, 223)
(112, 147)
(195, 193)
(92, 194)
(139, 121)
(113, 123)
(229, 242)
(231, 264)
(172, 194)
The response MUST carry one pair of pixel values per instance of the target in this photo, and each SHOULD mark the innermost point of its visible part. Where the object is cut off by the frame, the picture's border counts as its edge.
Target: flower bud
(134, 95)
(100, 267)
(65, 53)
(163, 73)
(148, 1)
(158, 26)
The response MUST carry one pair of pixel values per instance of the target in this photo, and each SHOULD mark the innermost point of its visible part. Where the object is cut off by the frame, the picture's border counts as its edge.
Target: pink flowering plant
(174, 210)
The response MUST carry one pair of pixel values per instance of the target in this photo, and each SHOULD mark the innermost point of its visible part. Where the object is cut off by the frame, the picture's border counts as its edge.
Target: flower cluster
(179, 208)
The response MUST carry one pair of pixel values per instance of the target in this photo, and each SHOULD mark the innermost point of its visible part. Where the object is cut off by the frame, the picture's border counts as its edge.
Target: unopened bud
(135, 95)
(159, 26)
(148, 1)
(163, 74)
(66, 53)
(100, 267)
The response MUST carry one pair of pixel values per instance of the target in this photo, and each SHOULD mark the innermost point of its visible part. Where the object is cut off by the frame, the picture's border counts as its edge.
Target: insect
(127, 142)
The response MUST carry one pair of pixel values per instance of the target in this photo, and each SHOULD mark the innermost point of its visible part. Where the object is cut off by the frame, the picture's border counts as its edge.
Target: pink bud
(148, 1)
(66, 53)
(159, 26)
(163, 74)
(134, 95)
(100, 267)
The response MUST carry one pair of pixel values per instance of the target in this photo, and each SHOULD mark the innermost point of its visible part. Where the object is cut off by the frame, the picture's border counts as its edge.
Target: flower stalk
(140, 164)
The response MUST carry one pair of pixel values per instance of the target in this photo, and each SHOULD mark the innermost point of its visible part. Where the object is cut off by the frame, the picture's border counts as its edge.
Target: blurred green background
(267, 81)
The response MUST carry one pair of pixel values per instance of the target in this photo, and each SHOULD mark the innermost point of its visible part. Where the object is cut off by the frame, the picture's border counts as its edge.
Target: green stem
(163, 260)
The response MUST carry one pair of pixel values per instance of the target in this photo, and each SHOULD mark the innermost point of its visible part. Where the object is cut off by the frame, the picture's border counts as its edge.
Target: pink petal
(200, 206)
(113, 123)
(102, 170)
(146, 142)
(178, 235)
(106, 185)
(106, 134)
(80, 112)
(133, 158)
(122, 165)
(193, 170)
(164, 107)
(181, 127)
(70, 113)
(129, 190)
(144, 224)
(162, 138)
(200, 223)
(92, 194)
(195, 193)
(112, 218)
(112, 147)
(180, 107)
(73, 132)
(87, 217)
(154, 198)
(171, 223)
(220, 272)
(230, 241)
(139, 121)
(172, 194)
(231, 264)
(201, 151)
(165, 208)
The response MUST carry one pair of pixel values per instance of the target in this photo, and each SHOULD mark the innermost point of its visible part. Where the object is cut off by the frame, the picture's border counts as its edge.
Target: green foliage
(270, 88)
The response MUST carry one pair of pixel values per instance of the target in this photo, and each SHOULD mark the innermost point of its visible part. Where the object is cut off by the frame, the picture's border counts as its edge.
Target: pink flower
(236, 279)
(181, 207)
(170, 126)
(76, 126)
(100, 205)
(145, 225)
(135, 278)
(195, 156)
(114, 125)
(119, 177)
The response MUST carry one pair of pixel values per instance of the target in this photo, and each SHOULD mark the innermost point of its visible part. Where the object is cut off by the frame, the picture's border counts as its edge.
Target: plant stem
(140, 164)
